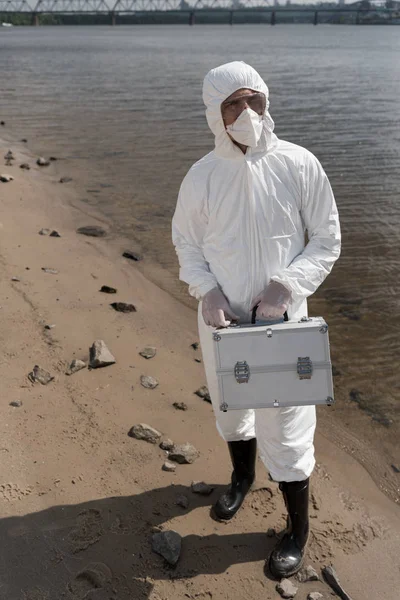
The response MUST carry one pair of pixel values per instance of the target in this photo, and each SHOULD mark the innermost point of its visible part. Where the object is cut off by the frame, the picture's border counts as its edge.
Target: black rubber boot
(243, 456)
(286, 559)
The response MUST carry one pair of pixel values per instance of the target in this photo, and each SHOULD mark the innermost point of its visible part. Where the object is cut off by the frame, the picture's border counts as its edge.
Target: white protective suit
(240, 221)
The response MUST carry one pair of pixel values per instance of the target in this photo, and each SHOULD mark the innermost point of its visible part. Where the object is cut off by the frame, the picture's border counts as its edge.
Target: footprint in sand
(261, 501)
(93, 583)
(87, 531)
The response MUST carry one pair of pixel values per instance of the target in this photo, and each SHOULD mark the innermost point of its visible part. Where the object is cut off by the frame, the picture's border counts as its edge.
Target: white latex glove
(273, 301)
(216, 310)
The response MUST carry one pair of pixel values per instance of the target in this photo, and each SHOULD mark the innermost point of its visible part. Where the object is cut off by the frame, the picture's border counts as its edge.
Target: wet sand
(79, 499)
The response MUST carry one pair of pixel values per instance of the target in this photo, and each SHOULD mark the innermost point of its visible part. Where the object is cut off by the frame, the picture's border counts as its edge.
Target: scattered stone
(50, 270)
(307, 574)
(168, 544)
(195, 346)
(107, 289)
(123, 307)
(53, 158)
(45, 232)
(9, 156)
(100, 356)
(314, 596)
(148, 382)
(180, 406)
(42, 162)
(2, 123)
(182, 501)
(92, 231)
(15, 279)
(6, 178)
(49, 326)
(203, 393)
(395, 469)
(332, 580)
(184, 454)
(141, 431)
(286, 588)
(55, 233)
(169, 466)
(16, 403)
(167, 445)
(197, 360)
(199, 487)
(132, 255)
(25, 166)
(65, 179)
(271, 532)
(24, 141)
(148, 352)
(75, 366)
(40, 375)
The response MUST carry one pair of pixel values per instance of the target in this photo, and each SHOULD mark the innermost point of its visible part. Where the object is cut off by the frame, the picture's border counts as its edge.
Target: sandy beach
(79, 499)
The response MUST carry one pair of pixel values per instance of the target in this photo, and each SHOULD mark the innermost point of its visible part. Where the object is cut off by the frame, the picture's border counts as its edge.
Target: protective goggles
(236, 106)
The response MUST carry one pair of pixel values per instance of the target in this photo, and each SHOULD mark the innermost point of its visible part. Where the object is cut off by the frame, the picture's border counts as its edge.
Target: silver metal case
(267, 366)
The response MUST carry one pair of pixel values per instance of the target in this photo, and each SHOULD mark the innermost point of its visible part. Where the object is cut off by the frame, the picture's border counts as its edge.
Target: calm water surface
(123, 107)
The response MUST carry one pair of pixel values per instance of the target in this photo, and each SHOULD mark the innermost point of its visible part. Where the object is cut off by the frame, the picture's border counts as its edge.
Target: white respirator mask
(247, 128)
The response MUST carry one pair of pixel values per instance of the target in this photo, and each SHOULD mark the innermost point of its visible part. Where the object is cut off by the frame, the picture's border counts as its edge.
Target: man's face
(236, 103)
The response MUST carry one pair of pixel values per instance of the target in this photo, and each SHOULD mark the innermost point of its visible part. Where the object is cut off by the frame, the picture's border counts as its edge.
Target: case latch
(304, 367)
(242, 372)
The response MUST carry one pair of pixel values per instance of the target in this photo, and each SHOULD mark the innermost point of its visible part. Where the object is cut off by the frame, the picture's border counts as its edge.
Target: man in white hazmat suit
(239, 232)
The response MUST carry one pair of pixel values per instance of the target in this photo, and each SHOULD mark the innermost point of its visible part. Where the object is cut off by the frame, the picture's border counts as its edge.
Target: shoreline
(68, 443)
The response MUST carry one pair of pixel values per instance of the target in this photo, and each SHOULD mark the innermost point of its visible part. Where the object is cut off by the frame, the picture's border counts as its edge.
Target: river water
(122, 106)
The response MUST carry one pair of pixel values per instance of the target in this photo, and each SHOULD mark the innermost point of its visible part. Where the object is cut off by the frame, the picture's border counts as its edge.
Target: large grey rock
(148, 352)
(315, 596)
(286, 588)
(100, 356)
(142, 431)
(42, 162)
(92, 231)
(203, 393)
(148, 382)
(40, 375)
(199, 487)
(307, 574)
(168, 544)
(75, 366)
(184, 454)
(6, 178)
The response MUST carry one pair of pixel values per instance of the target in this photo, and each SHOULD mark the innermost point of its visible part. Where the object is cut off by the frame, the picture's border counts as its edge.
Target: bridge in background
(113, 8)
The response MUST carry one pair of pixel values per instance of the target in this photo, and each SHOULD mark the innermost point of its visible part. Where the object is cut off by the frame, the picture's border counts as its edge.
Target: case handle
(254, 312)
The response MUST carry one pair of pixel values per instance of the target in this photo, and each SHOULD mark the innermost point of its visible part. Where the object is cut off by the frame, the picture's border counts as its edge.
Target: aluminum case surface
(267, 366)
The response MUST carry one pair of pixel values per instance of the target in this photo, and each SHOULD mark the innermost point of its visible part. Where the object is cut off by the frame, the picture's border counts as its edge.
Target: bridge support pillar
(113, 18)
(316, 18)
(273, 17)
(192, 18)
(35, 20)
